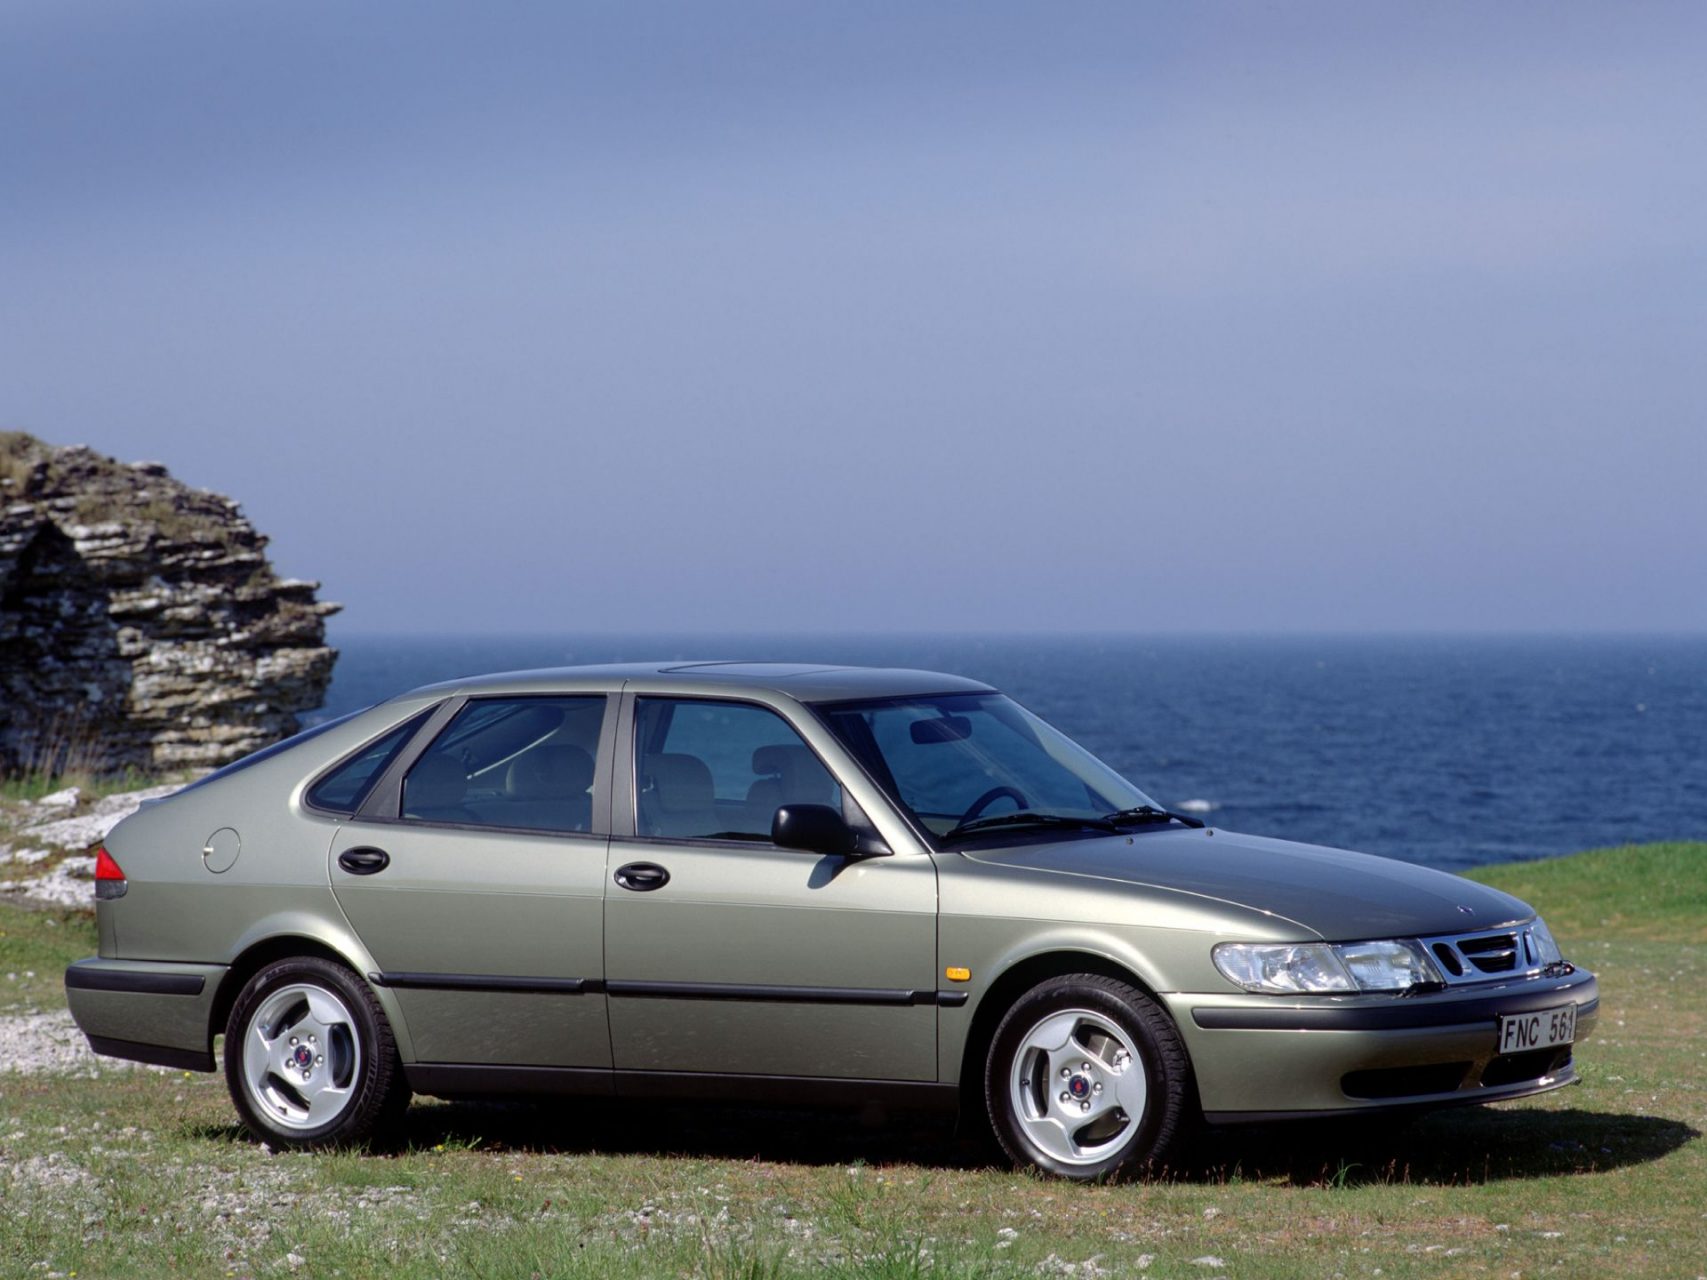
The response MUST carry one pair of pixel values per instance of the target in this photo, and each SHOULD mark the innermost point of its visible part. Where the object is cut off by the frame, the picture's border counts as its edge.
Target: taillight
(109, 876)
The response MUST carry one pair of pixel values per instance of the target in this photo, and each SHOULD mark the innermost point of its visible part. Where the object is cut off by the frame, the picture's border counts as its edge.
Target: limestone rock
(140, 622)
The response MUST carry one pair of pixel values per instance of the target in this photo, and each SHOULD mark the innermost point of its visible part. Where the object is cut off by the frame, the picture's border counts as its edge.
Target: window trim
(486, 828)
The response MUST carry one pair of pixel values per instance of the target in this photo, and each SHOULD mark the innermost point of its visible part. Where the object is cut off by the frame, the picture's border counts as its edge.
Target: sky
(580, 317)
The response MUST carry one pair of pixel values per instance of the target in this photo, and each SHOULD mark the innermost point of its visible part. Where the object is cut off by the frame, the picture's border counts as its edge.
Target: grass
(35, 947)
(144, 1173)
(64, 750)
(1652, 892)
(92, 784)
(68, 750)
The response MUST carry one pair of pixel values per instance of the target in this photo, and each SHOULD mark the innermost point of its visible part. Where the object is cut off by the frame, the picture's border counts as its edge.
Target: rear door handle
(364, 861)
(642, 877)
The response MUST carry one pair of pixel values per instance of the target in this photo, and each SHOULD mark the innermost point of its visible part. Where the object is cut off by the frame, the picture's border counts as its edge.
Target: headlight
(1322, 968)
(1388, 966)
(1283, 969)
(1546, 950)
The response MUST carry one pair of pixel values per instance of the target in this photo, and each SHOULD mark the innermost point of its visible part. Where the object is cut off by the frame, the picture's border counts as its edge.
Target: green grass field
(141, 1173)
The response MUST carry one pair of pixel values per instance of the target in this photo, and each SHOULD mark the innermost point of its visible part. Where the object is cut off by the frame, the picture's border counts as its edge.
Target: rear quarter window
(343, 789)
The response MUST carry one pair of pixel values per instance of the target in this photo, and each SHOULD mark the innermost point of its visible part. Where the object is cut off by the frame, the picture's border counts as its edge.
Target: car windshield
(953, 759)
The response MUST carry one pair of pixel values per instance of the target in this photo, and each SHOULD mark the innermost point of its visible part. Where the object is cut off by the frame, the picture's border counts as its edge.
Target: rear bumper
(146, 1011)
(1259, 1058)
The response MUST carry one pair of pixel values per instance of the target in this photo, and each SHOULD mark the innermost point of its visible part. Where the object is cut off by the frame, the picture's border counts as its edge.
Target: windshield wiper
(1149, 813)
(1026, 820)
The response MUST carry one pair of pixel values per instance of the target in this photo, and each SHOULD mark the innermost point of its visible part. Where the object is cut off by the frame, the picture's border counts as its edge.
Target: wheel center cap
(302, 1057)
(1079, 1087)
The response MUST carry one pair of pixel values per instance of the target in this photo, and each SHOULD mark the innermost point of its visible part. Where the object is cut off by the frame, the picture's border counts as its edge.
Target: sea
(1445, 750)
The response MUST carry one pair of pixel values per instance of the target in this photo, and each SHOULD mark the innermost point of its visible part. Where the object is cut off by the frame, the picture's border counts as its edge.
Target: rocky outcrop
(140, 622)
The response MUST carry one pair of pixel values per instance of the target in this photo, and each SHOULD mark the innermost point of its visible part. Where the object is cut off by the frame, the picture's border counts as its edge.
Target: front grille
(1496, 954)
(1476, 957)
(1447, 954)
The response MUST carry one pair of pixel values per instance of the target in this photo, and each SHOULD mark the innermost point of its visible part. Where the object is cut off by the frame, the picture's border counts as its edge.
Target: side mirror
(816, 828)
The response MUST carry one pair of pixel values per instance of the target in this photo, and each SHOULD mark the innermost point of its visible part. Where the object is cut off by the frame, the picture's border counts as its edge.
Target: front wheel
(1087, 1076)
(309, 1056)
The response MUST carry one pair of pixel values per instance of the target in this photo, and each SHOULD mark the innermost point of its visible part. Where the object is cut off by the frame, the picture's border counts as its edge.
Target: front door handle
(642, 877)
(364, 861)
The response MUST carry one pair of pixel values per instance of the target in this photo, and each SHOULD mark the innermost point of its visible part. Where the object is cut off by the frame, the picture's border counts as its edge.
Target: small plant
(1340, 1178)
(729, 1259)
(69, 751)
(66, 750)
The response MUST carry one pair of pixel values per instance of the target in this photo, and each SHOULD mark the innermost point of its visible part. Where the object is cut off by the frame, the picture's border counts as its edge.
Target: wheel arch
(284, 939)
(1014, 981)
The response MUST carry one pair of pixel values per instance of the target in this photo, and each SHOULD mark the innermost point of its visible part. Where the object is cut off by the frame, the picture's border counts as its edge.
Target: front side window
(524, 763)
(954, 758)
(712, 770)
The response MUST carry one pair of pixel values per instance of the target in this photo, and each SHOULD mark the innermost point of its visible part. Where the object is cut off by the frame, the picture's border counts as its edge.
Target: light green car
(789, 883)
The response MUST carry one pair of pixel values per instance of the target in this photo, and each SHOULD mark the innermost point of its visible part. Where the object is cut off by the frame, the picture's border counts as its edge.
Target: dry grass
(65, 751)
(169, 521)
(19, 454)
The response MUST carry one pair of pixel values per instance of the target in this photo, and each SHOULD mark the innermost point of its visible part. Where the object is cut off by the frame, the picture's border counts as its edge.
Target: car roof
(804, 682)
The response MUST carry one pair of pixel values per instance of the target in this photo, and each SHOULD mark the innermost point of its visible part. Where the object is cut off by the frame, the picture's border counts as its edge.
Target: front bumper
(147, 1011)
(1262, 1058)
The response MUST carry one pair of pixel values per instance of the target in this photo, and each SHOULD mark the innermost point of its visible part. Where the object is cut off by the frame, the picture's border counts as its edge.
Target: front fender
(993, 949)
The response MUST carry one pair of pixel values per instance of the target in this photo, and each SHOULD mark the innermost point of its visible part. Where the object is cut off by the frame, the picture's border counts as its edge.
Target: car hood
(1341, 896)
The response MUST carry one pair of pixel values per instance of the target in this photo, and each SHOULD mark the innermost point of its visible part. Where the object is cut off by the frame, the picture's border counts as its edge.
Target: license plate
(1539, 1030)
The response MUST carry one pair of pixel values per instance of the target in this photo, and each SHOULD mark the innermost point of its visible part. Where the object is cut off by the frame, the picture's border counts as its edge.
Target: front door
(726, 954)
(481, 899)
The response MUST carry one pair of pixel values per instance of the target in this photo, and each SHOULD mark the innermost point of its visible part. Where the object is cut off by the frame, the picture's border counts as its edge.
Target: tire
(1129, 1110)
(309, 1057)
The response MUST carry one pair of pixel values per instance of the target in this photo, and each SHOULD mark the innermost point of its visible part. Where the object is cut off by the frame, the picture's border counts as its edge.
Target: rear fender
(270, 938)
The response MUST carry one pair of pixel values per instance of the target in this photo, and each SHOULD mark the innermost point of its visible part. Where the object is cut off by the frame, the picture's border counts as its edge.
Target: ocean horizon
(1447, 750)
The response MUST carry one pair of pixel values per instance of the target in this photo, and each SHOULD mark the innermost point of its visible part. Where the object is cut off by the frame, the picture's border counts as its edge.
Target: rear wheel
(1087, 1076)
(309, 1056)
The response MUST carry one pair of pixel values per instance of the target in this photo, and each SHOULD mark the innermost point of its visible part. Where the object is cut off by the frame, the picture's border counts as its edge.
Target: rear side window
(344, 789)
(521, 763)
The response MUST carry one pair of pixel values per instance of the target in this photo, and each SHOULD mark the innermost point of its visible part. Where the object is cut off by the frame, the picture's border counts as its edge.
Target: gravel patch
(70, 883)
(47, 832)
(34, 1043)
(50, 1172)
(91, 827)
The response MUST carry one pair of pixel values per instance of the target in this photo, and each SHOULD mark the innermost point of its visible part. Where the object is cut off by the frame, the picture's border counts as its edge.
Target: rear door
(478, 884)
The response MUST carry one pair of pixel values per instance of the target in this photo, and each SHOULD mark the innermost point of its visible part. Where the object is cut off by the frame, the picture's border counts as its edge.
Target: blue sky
(571, 317)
